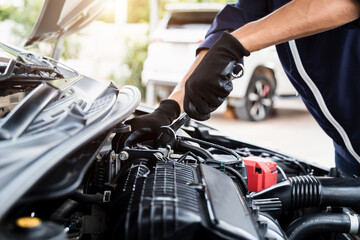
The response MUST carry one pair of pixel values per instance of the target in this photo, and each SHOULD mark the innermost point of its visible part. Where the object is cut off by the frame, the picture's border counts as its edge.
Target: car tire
(257, 103)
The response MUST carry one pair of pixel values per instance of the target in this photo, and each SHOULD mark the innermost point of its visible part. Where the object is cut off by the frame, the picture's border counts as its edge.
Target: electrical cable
(283, 174)
(240, 178)
(182, 158)
(183, 146)
(230, 151)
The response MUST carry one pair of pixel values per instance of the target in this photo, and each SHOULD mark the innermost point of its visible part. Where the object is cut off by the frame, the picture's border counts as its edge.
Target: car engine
(198, 187)
(66, 171)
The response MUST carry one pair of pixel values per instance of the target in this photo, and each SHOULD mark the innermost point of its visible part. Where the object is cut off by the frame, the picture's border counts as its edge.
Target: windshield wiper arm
(8, 70)
(23, 68)
(19, 70)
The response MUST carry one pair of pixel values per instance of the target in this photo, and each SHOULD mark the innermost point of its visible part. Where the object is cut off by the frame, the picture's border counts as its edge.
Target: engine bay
(69, 171)
(190, 183)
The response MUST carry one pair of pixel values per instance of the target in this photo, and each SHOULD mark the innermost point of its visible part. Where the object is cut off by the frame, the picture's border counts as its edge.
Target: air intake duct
(309, 191)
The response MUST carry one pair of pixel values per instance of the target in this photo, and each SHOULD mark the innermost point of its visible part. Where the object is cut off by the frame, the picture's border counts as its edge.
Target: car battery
(262, 172)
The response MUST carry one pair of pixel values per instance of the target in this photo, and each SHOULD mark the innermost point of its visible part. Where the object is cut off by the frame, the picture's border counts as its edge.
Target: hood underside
(59, 18)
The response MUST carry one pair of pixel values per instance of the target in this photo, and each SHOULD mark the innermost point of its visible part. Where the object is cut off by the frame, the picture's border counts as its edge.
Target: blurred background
(151, 44)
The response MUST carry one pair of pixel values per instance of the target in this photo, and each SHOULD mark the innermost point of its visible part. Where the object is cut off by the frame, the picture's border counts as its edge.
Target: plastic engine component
(262, 173)
(174, 201)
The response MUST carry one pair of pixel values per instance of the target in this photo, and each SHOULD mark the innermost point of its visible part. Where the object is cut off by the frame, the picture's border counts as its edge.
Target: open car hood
(59, 18)
(50, 111)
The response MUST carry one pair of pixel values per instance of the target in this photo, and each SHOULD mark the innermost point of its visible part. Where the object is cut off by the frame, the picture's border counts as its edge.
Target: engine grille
(161, 204)
(168, 186)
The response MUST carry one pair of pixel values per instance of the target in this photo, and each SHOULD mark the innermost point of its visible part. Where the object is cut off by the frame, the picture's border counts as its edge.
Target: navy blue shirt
(324, 69)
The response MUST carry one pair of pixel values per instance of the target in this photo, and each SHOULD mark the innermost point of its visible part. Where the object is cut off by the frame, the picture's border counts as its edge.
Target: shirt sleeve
(234, 16)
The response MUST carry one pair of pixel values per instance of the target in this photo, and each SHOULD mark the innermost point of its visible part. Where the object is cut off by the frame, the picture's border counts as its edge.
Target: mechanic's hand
(147, 127)
(210, 83)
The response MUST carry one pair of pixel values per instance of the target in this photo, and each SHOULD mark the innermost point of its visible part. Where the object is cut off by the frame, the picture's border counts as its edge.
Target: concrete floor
(290, 130)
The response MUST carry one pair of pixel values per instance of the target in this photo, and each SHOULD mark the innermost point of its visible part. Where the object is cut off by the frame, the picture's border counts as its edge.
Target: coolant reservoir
(26, 228)
(262, 173)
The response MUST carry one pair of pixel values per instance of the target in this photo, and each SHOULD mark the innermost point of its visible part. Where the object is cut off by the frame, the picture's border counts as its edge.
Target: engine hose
(241, 180)
(304, 227)
(86, 198)
(64, 211)
(309, 191)
(183, 146)
(224, 149)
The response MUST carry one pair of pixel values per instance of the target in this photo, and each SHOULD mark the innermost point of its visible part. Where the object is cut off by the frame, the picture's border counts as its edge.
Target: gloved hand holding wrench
(205, 90)
(210, 83)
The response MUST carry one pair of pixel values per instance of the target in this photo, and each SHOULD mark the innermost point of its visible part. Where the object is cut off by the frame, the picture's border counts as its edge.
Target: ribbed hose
(308, 191)
(305, 191)
(306, 227)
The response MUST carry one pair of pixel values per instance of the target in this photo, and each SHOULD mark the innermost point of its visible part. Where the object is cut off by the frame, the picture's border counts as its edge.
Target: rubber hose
(209, 144)
(243, 183)
(86, 198)
(65, 210)
(304, 227)
(183, 147)
(309, 191)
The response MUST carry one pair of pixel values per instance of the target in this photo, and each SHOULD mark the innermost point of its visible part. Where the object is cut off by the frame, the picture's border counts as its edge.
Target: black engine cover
(175, 201)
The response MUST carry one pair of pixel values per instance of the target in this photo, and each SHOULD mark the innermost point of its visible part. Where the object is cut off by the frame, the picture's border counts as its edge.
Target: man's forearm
(296, 19)
(178, 93)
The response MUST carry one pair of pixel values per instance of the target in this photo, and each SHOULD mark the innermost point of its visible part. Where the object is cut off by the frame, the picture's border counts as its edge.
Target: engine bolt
(123, 155)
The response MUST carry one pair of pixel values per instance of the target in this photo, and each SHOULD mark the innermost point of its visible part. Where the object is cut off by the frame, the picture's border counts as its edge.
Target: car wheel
(258, 100)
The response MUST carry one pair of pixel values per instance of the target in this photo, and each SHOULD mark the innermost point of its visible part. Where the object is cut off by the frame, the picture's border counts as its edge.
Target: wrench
(168, 133)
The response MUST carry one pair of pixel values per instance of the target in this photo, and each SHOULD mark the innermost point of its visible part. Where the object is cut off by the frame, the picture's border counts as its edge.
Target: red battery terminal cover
(262, 173)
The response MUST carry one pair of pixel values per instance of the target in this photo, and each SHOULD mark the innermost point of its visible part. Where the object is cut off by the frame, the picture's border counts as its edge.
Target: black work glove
(210, 83)
(147, 127)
